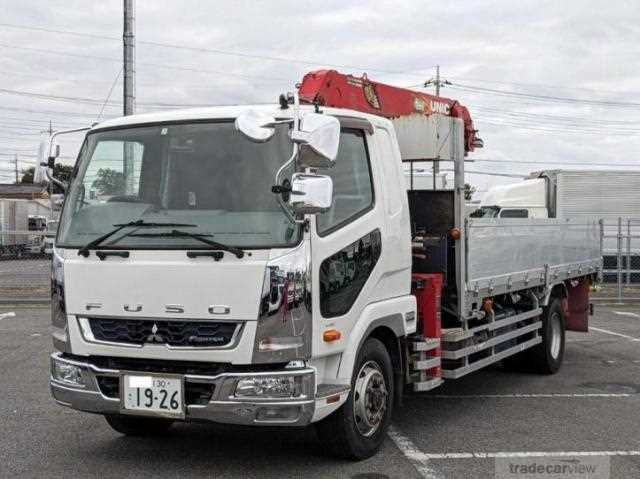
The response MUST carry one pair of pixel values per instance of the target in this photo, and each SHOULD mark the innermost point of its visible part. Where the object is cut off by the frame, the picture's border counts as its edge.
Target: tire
(546, 357)
(348, 433)
(138, 426)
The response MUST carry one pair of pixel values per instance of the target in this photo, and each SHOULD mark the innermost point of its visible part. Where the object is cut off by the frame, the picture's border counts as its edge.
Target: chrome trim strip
(221, 408)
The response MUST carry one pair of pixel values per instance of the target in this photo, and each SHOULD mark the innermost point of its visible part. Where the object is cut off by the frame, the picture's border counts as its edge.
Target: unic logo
(439, 107)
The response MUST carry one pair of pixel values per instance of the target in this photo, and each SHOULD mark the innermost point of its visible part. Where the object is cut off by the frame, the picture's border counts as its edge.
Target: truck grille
(173, 333)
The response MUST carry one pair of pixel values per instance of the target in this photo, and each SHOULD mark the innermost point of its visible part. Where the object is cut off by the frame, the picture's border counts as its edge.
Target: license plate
(157, 395)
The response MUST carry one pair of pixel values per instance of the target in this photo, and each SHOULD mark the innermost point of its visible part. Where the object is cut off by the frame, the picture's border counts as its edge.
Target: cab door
(348, 237)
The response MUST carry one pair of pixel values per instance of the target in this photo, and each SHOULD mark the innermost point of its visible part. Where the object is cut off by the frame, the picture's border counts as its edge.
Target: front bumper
(95, 395)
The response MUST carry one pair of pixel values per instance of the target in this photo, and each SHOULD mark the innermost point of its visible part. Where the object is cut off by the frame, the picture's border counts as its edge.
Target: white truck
(605, 194)
(22, 226)
(611, 196)
(200, 289)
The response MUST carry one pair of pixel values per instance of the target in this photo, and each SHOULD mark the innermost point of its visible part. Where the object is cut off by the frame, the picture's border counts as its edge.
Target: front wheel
(357, 429)
(137, 425)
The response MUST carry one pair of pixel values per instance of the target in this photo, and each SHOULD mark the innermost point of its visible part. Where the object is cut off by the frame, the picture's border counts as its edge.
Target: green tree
(60, 172)
(469, 191)
(109, 182)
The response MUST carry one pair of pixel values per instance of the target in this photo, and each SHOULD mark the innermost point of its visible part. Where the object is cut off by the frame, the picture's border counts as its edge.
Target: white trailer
(22, 226)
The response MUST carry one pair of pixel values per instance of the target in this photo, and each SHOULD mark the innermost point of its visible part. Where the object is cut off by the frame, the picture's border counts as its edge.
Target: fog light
(268, 386)
(67, 373)
(290, 413)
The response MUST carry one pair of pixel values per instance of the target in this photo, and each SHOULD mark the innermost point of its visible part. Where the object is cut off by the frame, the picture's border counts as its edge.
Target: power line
(546, 85)
(215, 51)
(546, 98)
(153, 65)
(48, 112)
(556, 162)
(556, 118)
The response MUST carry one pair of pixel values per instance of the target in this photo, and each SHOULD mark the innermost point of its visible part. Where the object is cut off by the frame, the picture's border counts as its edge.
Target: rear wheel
(358, 428)
(138, 426)
(546, 357)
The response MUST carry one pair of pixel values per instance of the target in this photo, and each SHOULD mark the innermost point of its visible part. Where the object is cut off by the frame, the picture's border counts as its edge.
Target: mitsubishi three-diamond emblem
(154, 337)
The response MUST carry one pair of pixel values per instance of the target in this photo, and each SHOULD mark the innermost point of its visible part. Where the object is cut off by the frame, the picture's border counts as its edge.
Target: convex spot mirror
(310, 194)
(318, 135)
(319, 138)
(256, 126)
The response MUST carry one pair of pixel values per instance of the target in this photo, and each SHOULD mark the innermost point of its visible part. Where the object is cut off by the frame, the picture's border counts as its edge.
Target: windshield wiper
(84, 251)
(197, 236)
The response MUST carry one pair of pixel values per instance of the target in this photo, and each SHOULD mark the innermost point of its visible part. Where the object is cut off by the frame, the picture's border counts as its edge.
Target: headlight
(67, 373)
(269, 387)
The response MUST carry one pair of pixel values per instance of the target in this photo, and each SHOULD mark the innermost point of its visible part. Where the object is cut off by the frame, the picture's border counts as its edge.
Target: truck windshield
(204, 174)
(486, 212)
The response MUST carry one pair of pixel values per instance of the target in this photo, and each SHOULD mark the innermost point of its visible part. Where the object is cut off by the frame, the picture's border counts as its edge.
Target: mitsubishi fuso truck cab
(265, 265)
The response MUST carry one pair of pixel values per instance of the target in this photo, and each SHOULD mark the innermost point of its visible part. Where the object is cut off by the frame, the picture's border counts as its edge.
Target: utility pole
(50, 185)
(128, 90)
(437, 82)
(128, 41)
(16, 167)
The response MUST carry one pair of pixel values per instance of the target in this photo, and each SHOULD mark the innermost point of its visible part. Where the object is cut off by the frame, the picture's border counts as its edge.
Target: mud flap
(575, 307)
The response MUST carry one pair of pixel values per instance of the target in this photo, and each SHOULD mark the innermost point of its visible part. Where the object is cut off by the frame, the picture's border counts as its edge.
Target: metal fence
(620, 245)
(25, 265)
(25, 257)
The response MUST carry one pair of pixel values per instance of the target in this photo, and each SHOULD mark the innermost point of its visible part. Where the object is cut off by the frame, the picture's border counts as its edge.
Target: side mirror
(256, 126)
(319, 138)
(311, 194)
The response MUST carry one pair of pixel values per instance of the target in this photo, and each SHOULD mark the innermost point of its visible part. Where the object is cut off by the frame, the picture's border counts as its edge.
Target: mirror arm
(63, 132)
(60, 184)
(279, 199)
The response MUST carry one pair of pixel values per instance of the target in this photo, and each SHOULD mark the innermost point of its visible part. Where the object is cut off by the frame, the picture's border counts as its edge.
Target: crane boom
(333, 89)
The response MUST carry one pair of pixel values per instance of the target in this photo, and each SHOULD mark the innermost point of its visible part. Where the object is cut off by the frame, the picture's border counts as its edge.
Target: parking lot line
(612, 333)
(10, 314)
(627, 313)
(527, 395)
(491, 455)
(417, 458)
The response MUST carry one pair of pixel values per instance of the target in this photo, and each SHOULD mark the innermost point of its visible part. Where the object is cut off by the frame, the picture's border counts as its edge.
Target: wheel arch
(558, 290)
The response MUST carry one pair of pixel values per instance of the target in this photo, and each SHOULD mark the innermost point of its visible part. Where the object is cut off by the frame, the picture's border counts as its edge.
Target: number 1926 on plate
(156, 395)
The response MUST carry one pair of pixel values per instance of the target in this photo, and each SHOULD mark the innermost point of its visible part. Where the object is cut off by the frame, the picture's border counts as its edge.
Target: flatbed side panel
(506, 255)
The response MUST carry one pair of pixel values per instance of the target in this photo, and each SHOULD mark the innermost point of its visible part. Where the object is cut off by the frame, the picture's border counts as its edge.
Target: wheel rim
(556, 335)
(370, 399)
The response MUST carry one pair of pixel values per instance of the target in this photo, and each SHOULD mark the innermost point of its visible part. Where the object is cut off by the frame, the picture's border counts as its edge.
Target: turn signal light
(331, 335)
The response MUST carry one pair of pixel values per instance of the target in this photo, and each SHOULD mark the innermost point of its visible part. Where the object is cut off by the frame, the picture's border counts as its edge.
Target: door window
(352, 186)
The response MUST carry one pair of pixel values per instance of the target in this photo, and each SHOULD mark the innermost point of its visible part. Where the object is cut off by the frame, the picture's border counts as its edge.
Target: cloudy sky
(549, 84)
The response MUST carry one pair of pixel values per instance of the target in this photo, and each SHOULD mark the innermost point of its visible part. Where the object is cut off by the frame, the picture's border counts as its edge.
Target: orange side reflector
(331, 335)
(455, 233)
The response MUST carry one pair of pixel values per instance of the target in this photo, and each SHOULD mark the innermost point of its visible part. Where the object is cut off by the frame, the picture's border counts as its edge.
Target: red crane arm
(333, 89)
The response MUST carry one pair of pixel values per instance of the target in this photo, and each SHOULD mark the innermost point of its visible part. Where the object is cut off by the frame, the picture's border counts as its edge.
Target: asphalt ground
(25, 278)
(591, 407)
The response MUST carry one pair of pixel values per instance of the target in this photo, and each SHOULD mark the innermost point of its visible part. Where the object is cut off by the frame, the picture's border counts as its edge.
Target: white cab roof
(221, 112)
(525, 194)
